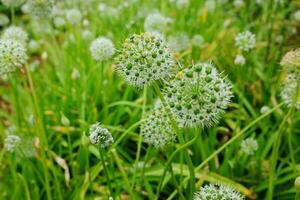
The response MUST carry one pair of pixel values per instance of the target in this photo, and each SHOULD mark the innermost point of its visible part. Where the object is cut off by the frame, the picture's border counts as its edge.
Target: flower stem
(105, 170)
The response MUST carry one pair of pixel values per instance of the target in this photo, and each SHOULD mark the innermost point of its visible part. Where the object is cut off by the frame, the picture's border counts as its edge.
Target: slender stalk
(139, 141)
(105, 170)
(180, 138)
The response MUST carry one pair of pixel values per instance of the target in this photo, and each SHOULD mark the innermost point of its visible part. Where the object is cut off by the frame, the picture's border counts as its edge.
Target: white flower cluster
(178, 42)
(249, 146)
(100, 136)
(239, 60)
(12, 3)
(74, 16)
(198, 96)
(144, 58)
(290, 93)
(156, 22)
(4, 20)
(40, 8)
(11, 142)
(15, 33)
(102, 49)
(157, 129)
(12, 56)
(245, 41)
(217, 192)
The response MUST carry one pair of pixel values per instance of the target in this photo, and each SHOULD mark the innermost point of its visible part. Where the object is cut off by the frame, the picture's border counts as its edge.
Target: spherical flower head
(74, 16)
(245, 41)
(198, 40)
(217, 192)
(290, 93)
(59, 22)
(12, 56)
(297, 183)
(157, 129)
(12, 3)
(239, 60)
(4, 20)
(15, 33)
(249, 146)
(264, 109)
(40, 8)
(181, 4)
(291, 60)
(102, 49)
(100, 136)
(156, 22)
(198, 96)
(143, 59)
(238, 3)
(210, 5)
(11, 142)
(178, 42)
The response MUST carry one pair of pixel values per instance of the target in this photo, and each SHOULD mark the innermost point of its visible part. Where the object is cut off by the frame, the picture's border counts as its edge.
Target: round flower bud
(15, 33)
(74, 16)
(40, 8)
(100, 136)
(239, 60)
(144, 58)
(4, 20)
(198, 40)
(157, 129)
(290, 93)
(249, 146)
(12, 56)
(102, 49)
(264, 109)
(59, 22)
(291, 60)
(11, 142)
(297, 183)
(245, 41)
(178, 42)
(12, 3)
(217, 192)
(156, 22)
(87, 35)
(198, 96)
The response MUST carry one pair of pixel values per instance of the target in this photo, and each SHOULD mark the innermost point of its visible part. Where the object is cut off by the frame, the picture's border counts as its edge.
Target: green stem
(139, 141)
(180, 138)
(105, 170)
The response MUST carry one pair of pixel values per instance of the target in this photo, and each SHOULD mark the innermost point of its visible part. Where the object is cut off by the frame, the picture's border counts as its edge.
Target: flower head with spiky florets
(12, 56)
(15, 33)
(100, 136)
(143, 59)
(217, 192)
(12, 3)
(40, 8)
(249, 146)
(102, 49)
(198, 96)
(11, 142)
(156, 22)
(157, 129)
(245, 41)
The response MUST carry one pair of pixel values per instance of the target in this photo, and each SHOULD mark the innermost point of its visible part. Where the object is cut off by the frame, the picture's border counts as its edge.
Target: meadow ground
(150, 99)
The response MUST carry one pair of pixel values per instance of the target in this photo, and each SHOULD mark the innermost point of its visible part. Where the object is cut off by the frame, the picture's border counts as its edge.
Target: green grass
(66, 166)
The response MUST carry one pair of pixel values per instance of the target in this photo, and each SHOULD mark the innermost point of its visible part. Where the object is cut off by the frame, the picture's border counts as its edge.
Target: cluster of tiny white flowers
(11, 142)
(181, 4)
(12, 3)
(156, 22)
(198, 95)
(100, 136)
(238, 4)
(15, 33)
(210, 5)
(12, 56)
(59, 22)
(249, 146)
(102, 49)
(198, 40)
(157, 129)
(245, 41)
(74, 16)
(178, 42)
(4, 20)
(290, 93)
(40, 8)
(144, 58)
(239, 60)
(217, 192)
